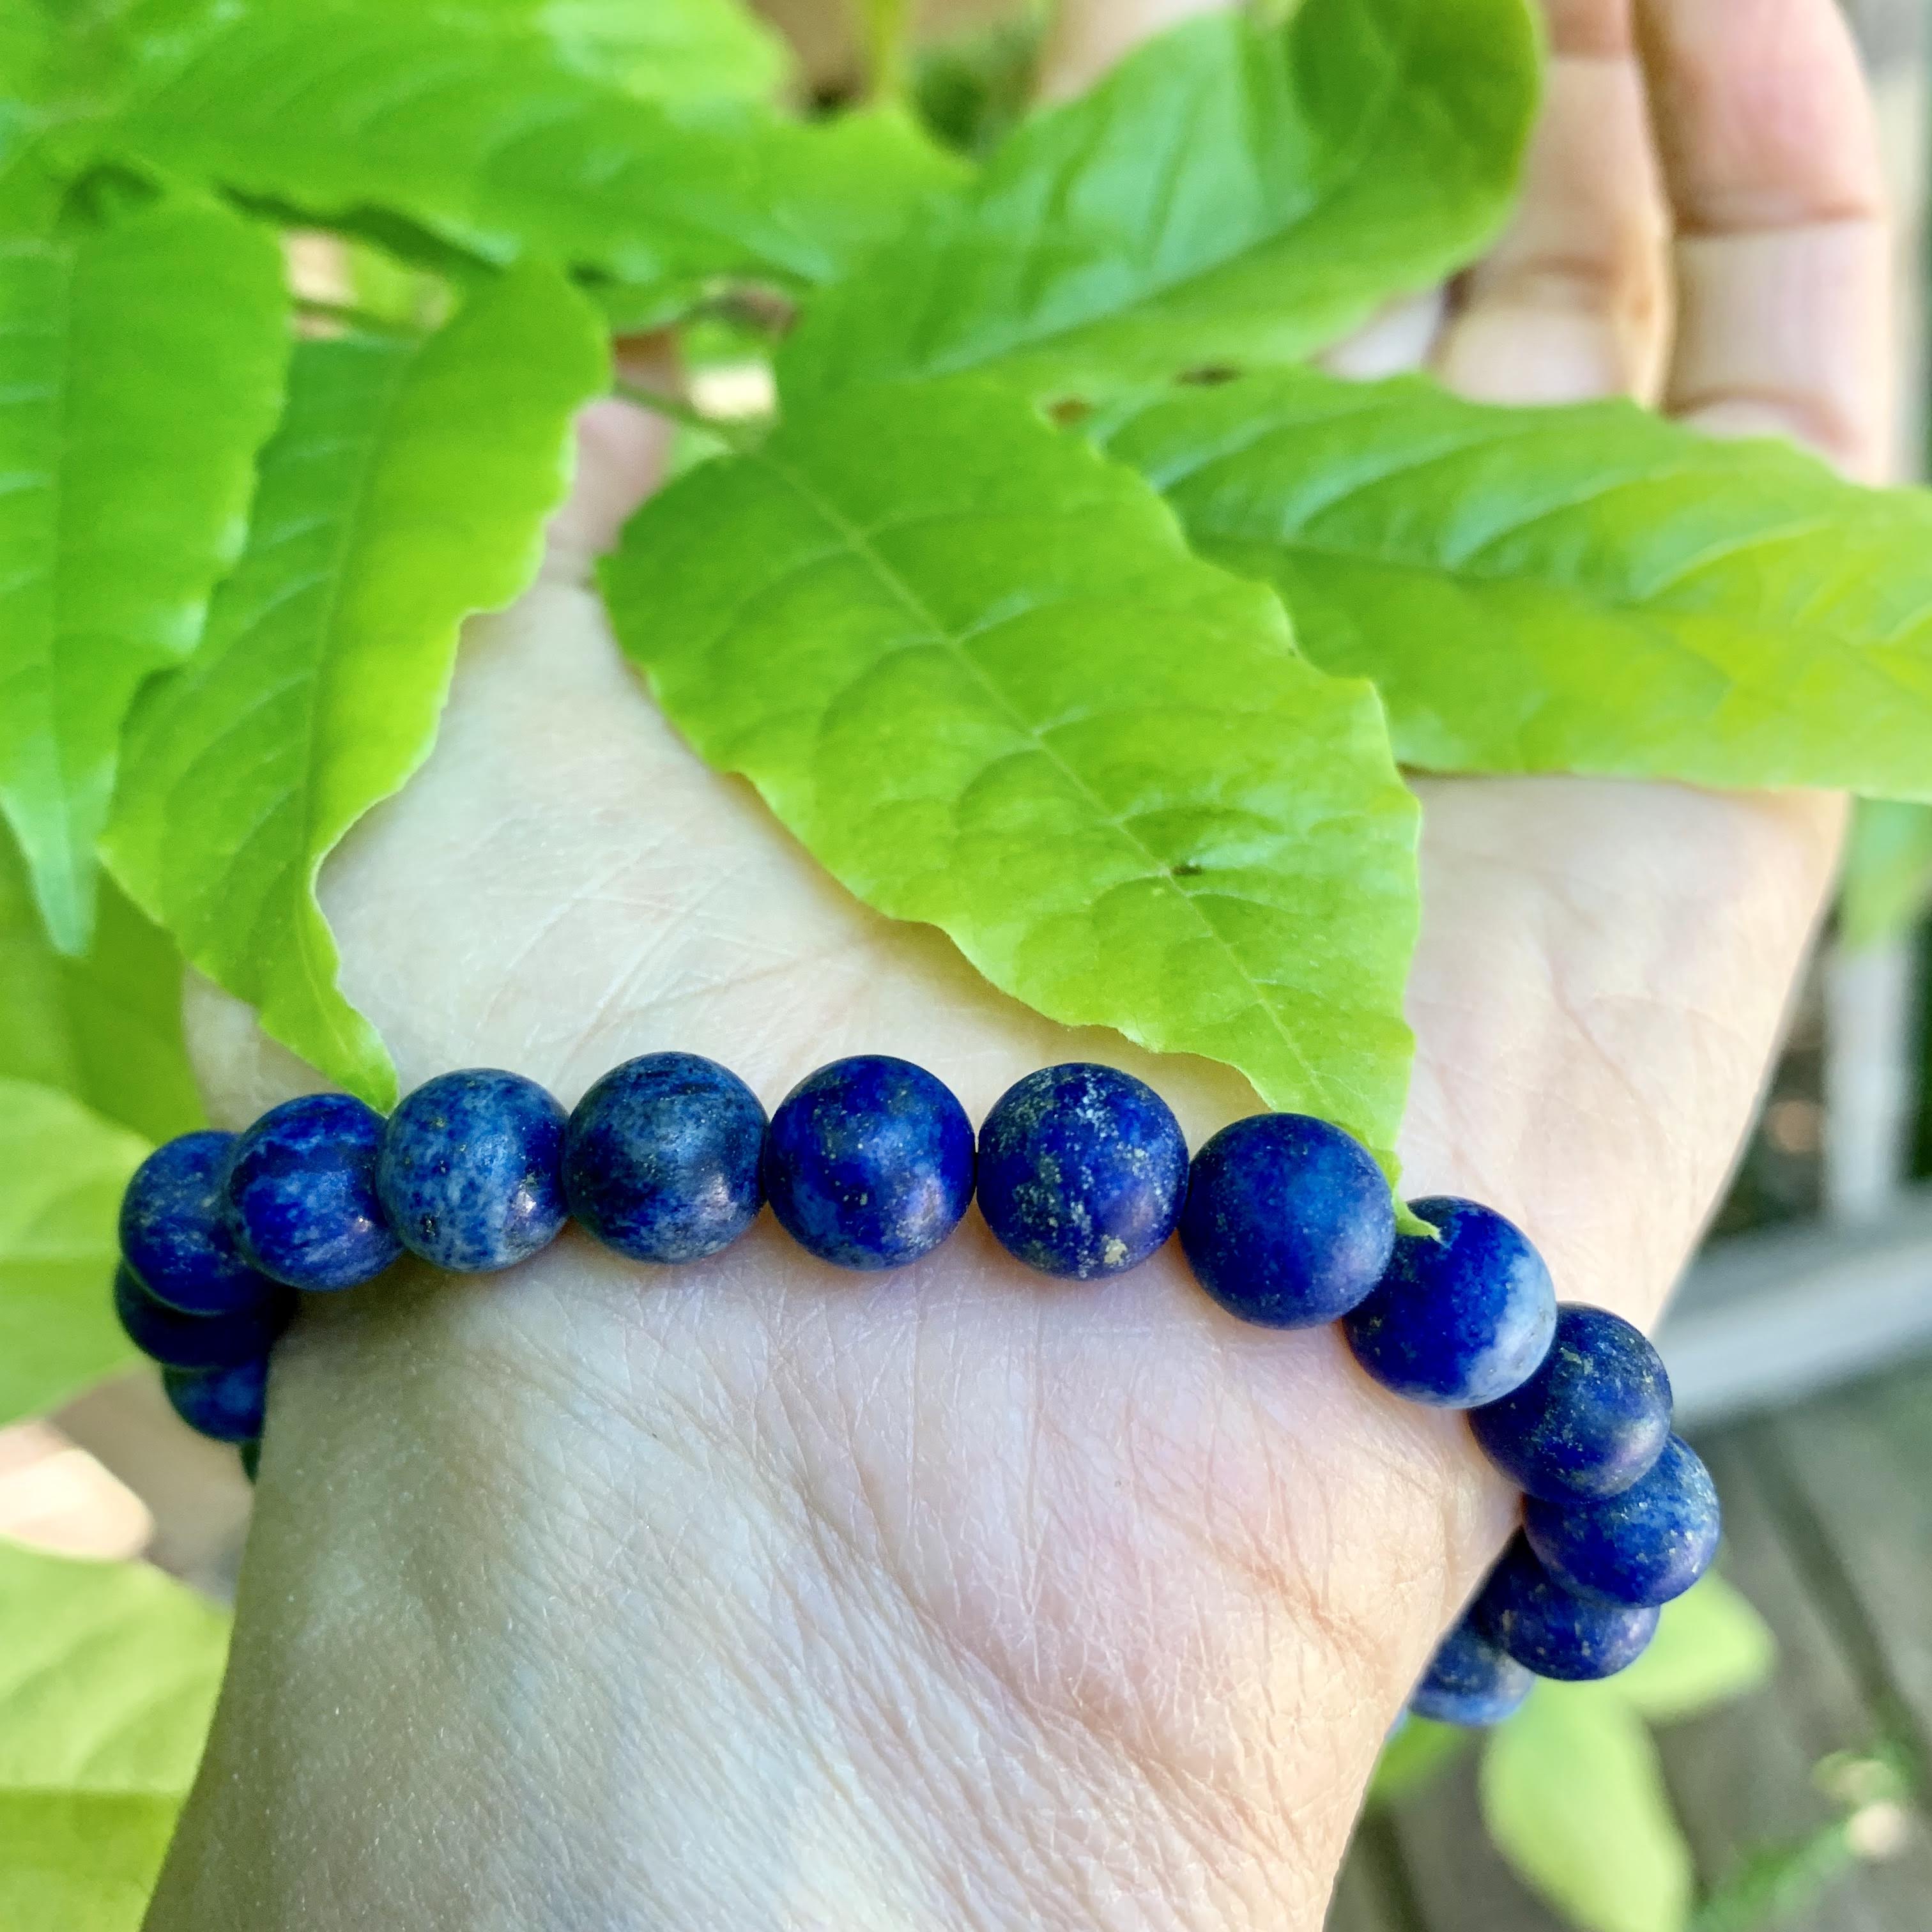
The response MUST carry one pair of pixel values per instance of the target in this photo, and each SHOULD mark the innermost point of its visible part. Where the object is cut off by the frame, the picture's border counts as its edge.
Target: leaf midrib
(860, 544)
(1344, 178)
(447, 210)
(1246, 438)
(307, 864)
(1603, 601)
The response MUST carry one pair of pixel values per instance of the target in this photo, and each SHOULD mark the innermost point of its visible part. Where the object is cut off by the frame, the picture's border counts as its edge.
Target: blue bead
(1471, 1681)
(1645, 1547)
(469, 1175)
(179, 1341)
(660, 1158)
(1553, 1631)
(1288, 1221)
(175, 1233)
(1082, 1170)
(1591, 1420)
(224, 1405)
(251, 1458)
(301, 1193)
(868, 1163)
(1462, 1320)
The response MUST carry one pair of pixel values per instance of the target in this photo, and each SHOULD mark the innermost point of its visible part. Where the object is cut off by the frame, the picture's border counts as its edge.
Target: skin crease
(755, 1595)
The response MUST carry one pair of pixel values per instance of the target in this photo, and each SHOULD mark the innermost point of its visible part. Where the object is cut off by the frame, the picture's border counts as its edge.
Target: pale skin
(758, 1595)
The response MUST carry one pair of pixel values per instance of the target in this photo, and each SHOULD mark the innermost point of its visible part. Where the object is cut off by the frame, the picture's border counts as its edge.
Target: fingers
(621, 452)
(1401, 338)
(1770, 152)
(1089, 36)
(1573, 302)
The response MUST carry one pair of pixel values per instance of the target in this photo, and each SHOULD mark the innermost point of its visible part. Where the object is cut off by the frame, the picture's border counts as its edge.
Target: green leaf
(66, 67)
(29, 187)
(108, 1674)
(973, 668)
(81, 1861)
(408, 487)
(1888, 879)
(62, 1172)
(1571, 589)
(1411, 1758)
(490, 141)
(130, 413)
(663, 50)
(1226, 196)
(1711, 1647)
(390, 293)
(1574, 1799)
(105, 1028)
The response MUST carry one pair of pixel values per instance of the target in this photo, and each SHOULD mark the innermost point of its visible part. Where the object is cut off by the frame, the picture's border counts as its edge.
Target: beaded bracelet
(1080, 1172)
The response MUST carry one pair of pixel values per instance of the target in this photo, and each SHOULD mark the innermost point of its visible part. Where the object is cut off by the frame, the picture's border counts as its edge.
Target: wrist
(801, 1679)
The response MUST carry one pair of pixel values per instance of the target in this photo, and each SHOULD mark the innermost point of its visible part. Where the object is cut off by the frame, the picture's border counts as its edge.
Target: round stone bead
(302, 1201)
(1471, 1681)
(1082, 1170)
(225, 1405)
(1288, 1221)
(869, 1162)
(1645, 1547)
(1591, 1420)
(1552, 1631)
(1461, 1321)
(660, 1158)
(179, 1341)
(175, 1233)
(469, 1175)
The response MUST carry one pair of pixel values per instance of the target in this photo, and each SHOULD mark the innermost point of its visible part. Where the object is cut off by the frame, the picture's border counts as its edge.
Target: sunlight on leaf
(973, 668)
(408, 487)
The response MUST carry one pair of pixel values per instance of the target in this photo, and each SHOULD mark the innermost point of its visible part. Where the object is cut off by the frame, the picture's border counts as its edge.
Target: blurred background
(1778, 1790)
(1800, 1348)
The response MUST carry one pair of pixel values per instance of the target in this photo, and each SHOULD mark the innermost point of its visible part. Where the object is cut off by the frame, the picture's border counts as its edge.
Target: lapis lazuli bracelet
(1080, 1171)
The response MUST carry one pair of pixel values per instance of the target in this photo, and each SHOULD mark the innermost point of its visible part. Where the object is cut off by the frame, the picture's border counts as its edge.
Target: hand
(758, 1595)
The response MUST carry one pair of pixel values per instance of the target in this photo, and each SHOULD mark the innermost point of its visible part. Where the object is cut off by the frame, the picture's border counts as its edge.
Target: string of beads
(1080, 1172)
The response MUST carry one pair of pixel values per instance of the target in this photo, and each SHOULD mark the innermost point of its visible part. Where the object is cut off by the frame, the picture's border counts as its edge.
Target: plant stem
(347, 315)
(888, 28)
(1776, 1882)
